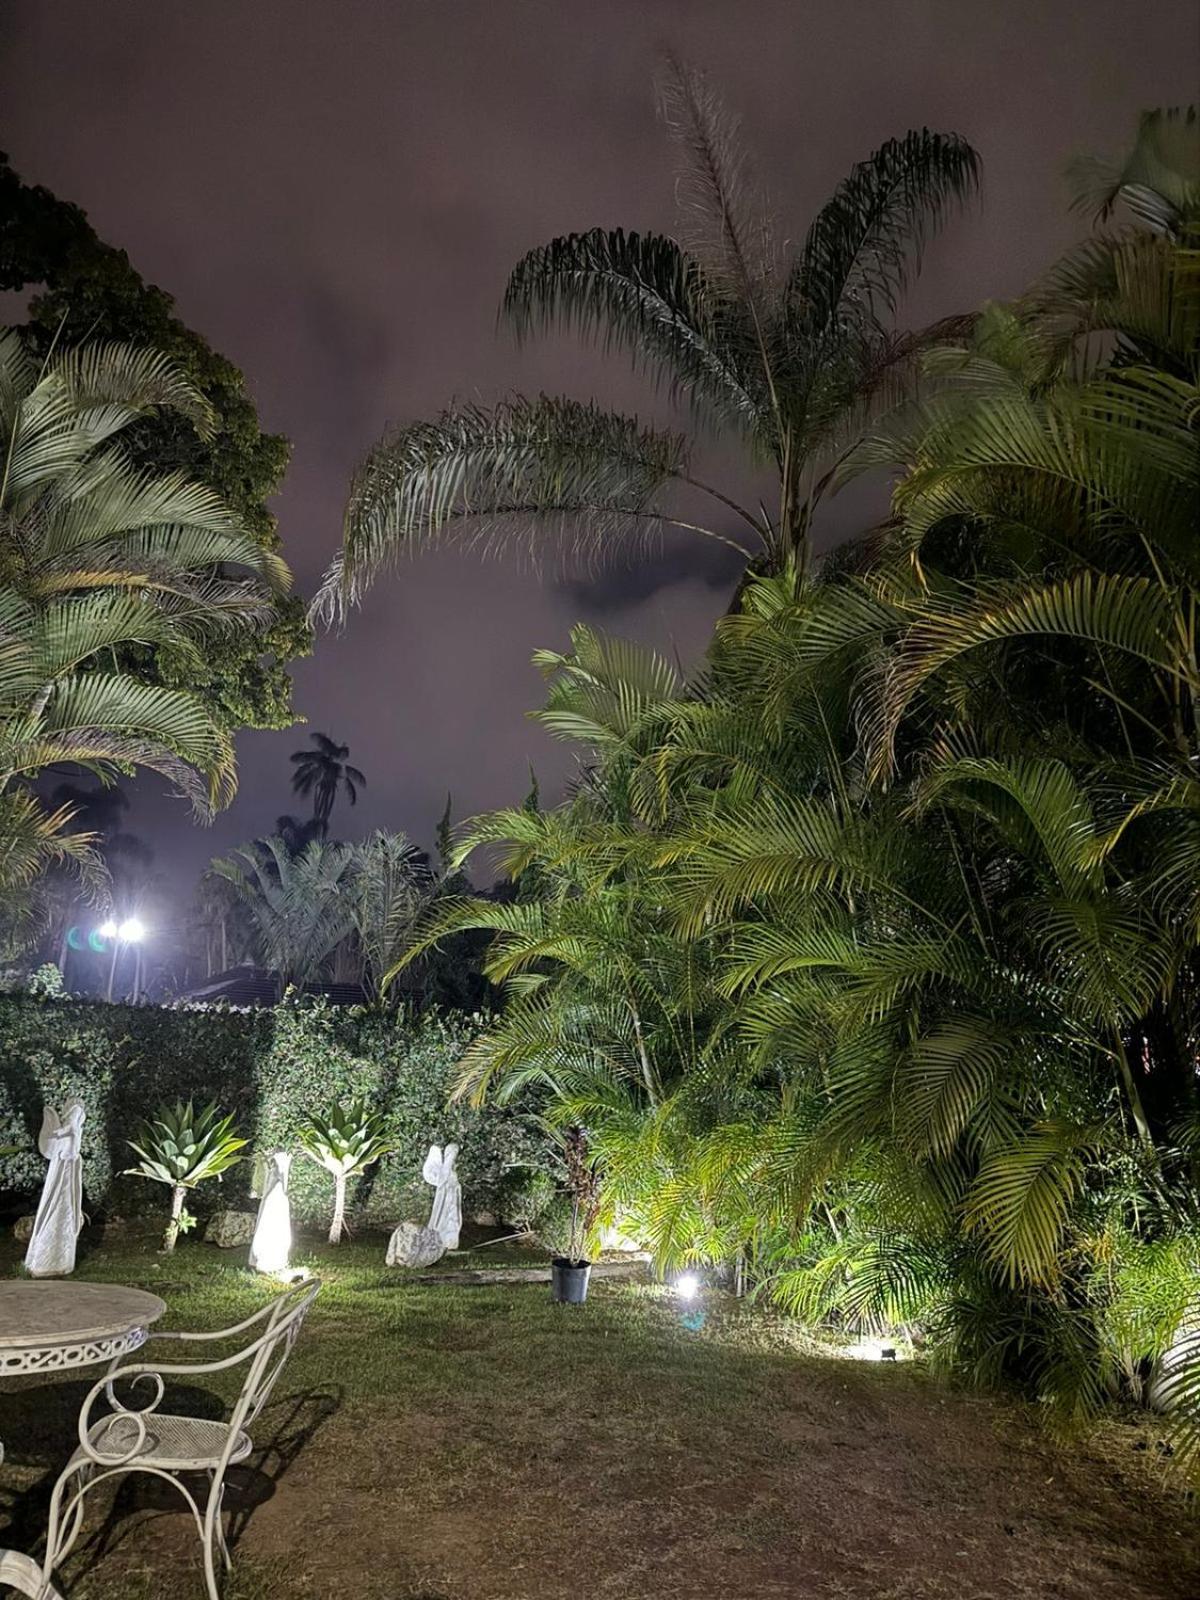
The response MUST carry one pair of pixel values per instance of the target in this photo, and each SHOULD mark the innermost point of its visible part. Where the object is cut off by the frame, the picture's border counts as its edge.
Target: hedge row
(269, 1068)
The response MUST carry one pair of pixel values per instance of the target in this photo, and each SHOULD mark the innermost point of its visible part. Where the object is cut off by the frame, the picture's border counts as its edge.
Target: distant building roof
(255, 986)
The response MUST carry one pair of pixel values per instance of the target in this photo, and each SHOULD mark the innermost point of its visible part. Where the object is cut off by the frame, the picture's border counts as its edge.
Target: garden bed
(428, 1444)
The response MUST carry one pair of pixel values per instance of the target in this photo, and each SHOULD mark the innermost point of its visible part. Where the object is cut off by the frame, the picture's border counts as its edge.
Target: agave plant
(181, 1147)
(345, 1140)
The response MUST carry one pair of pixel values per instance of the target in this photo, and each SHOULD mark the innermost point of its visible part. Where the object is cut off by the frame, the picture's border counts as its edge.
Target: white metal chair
(133, 1438)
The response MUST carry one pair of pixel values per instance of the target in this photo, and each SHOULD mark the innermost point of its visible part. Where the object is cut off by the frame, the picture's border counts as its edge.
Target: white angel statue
(272, 1242)
(56, 1227)
(446, 1217)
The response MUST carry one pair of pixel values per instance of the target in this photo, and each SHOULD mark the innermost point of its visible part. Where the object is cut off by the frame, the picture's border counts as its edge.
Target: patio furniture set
(54, 1326)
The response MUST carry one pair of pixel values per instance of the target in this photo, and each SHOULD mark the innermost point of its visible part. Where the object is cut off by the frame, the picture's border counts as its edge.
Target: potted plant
(180, 1147)
(569, 1274)
(345, 1140)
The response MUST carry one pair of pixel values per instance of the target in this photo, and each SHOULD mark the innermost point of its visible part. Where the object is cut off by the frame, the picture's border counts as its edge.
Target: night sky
(334, 193)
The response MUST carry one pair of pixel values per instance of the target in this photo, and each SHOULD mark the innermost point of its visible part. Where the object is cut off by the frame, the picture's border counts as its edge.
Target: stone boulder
(230, 1230)
(23, 1229)
(414, 1246)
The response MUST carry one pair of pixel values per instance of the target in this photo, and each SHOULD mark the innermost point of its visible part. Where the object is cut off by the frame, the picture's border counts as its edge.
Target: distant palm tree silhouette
(298, 833)
(323, 773)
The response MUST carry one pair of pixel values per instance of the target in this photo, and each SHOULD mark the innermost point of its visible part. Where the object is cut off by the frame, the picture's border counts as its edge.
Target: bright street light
(130, 930)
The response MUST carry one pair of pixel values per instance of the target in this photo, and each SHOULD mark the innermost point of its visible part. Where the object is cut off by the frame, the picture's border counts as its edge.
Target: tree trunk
(178, 1195)
(339, 1208)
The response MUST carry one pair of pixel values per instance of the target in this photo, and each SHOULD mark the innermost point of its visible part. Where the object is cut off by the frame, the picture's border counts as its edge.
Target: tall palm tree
(390, 887)
(296, 904)
(922, 845)
(103, 569)
(783, 349)
(324, 773)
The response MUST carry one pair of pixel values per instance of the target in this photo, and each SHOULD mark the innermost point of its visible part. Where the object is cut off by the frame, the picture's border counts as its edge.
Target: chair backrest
(271, 1350)
(265, 1354)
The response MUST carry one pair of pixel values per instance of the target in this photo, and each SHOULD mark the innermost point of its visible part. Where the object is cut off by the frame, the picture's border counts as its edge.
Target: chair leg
(63, 1527)
(219, 1525)
(23, 1575)
(214, 1538)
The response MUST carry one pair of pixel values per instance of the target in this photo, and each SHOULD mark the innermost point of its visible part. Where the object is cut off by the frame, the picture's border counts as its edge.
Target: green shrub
(553, 1229)
(269, 1069)
(523, 1196)
(46, 983)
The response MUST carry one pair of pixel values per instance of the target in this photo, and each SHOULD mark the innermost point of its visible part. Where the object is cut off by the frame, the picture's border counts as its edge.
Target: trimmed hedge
(268, 1067)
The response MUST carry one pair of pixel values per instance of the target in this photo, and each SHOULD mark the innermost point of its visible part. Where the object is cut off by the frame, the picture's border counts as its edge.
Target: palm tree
(222, 921)
(390, 888)
(296, 904)
(872, 956)
(785, 350)
(104, 569)
(323, 773)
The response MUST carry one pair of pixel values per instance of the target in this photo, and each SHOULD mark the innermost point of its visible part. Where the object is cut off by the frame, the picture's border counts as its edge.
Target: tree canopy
(786, 349)
(88, 290)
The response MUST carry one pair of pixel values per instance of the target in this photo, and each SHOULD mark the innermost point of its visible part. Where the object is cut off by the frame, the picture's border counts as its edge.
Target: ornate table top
(92, 1321)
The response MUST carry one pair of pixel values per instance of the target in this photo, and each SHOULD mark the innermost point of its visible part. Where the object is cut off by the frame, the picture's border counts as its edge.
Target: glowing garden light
(132, 931)
(107, 930)
(687, 1286)
(875, 1350)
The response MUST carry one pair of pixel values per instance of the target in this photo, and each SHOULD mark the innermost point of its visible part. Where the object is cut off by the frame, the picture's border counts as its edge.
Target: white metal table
(56, 1325)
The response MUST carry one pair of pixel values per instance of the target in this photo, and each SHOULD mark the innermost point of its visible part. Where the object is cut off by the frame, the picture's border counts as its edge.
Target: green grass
(437, 1441)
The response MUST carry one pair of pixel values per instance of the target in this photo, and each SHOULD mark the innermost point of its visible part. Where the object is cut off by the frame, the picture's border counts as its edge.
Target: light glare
(687, 1287)
(874, 1350)
(107, 930)
(132, 931)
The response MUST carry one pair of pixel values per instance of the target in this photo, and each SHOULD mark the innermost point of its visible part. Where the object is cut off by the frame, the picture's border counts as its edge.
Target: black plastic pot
(569, 1280)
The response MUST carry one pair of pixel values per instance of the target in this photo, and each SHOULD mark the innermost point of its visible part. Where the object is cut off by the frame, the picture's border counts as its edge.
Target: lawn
(480, 1443)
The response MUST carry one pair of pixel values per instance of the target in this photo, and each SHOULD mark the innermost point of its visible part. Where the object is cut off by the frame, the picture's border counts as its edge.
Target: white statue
(446, 1217)
(272, 1242)
(59, 1217)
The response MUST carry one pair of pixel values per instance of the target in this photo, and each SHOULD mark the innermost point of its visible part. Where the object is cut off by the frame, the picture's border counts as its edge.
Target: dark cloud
(335, 193)
(628, 581)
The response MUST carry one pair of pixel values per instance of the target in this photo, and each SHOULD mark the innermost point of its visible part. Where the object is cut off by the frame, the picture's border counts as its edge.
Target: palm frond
(527, 470)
